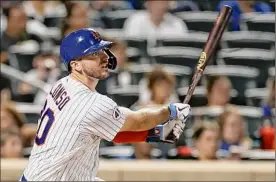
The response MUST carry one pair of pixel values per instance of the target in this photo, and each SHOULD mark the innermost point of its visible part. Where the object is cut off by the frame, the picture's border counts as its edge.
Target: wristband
(155, 134)
(173, 112)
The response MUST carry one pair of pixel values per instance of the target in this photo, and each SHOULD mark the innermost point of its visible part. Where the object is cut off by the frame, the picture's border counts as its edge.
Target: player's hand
(178, 129)
(179, 111)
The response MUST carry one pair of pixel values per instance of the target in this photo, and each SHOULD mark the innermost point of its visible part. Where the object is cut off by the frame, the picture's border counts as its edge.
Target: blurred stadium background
(157, 44)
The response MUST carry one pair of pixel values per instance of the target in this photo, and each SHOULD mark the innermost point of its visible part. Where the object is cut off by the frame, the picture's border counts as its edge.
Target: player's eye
(95, 53)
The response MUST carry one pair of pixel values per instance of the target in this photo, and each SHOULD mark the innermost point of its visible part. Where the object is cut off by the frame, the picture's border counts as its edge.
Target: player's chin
(104, 75)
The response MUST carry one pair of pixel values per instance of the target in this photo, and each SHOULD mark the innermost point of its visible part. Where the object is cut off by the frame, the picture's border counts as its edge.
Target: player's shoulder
(103, 99)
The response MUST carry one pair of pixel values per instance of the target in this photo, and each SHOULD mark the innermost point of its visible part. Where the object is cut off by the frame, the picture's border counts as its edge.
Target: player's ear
(75, 65)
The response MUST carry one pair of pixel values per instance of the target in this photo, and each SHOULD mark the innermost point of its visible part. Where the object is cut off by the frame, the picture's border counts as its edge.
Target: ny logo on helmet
(96, 35)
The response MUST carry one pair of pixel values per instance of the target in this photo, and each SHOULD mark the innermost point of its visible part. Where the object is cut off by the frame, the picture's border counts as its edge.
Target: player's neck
(91, 83)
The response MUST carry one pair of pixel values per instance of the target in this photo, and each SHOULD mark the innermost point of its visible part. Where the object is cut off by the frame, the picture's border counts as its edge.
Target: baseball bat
(209, 48)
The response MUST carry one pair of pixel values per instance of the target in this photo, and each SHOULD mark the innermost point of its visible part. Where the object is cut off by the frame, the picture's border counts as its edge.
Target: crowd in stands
(228, 116)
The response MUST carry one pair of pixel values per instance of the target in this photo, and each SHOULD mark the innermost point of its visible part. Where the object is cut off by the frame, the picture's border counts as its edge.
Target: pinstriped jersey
(73, 121)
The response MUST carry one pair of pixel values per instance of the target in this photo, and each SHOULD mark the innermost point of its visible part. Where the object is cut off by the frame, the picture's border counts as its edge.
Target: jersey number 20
(46, 121)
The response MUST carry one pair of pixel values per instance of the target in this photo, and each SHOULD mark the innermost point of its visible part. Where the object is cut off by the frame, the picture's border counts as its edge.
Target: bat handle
(187, 98)
(192, 87)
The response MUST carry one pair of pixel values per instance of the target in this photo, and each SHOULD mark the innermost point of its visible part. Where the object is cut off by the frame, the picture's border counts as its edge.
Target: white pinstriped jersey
(73, 121)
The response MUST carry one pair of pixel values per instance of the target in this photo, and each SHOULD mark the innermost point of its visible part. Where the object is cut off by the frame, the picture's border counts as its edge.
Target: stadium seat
(198, 21)
(199, 97)
(192, 39)
(182, 56)
(112, 33)
(241, 78)
(21, 56)
(120, 78)
(54, 34)
(31, 111)
(116, 19)
(138, 43)
(133, 54)
(54, 20)
(252, 115)
(271, 71)
(182, 73)
(264, 22)
(248, 39)
(255, 96)
(124, 96)
(256, 58)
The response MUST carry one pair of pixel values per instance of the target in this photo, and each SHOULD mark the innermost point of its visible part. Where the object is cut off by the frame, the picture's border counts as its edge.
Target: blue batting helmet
(82, 43)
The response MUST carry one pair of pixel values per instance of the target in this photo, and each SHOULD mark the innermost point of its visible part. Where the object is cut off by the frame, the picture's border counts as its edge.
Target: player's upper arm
(104, 118)
(132, 119)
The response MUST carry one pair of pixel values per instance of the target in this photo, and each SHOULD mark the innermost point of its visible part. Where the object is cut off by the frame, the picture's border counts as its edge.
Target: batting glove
(179, 111)
(171, 130)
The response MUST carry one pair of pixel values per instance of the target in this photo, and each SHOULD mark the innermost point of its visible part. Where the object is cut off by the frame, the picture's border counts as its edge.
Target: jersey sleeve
(104, 118)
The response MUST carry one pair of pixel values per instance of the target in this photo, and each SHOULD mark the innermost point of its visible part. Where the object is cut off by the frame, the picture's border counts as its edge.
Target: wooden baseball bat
(210, 45)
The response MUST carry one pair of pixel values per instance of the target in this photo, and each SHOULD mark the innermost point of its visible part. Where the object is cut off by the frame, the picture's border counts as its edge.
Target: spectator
(188, 5)
(269, 103)
(11, 145)
(77, 17)
(5, 84)
(11, 119)
(206, 140)
(38, 10)
(3, 21)
(47, 69)
(138, 5)
(240, 7)
(101, 8)
(16, 30)
(161, 87)
(218, 90)
(104, 6)
(267, 130)
(233, 130)
(153, 23)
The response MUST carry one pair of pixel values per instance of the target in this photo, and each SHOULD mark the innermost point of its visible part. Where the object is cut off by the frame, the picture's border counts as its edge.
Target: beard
(95, 74)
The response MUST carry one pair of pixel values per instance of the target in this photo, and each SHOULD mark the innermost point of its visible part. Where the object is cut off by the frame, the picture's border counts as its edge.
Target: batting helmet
(82, 43)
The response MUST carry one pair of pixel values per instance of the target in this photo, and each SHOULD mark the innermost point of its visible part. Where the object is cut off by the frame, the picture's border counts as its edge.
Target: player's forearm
(145, 119)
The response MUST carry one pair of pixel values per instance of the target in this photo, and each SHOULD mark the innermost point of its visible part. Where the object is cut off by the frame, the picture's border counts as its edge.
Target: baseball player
(75, 117)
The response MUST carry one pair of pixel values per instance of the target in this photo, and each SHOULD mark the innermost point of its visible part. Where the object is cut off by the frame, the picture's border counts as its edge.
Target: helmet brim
(101, 45)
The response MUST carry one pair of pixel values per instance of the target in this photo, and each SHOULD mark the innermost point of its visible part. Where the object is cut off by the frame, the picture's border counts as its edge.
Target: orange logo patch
(96, 35)
(157, 131)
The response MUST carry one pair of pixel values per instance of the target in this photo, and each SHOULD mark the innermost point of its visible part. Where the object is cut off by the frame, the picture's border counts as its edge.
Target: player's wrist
(173, 112)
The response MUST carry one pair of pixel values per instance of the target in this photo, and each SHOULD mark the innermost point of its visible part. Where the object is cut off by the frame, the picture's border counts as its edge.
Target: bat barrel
(215, 36)
(211, 44)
